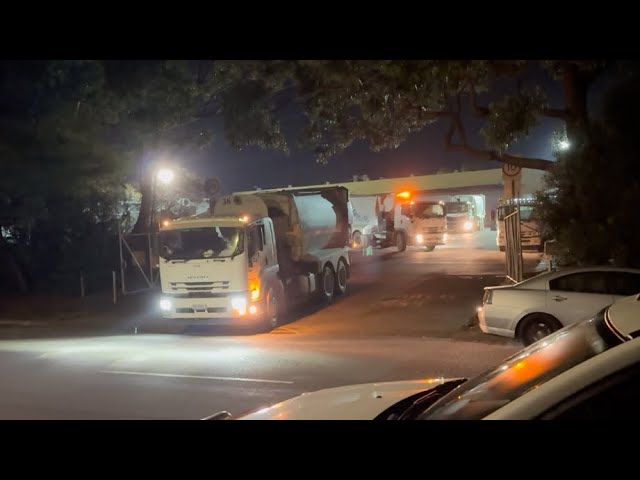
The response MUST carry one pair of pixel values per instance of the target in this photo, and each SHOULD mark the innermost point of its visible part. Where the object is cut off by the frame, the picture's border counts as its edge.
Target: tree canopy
(383, 101)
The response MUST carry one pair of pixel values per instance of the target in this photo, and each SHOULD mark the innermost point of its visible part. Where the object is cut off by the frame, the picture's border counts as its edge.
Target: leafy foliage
(382, 102)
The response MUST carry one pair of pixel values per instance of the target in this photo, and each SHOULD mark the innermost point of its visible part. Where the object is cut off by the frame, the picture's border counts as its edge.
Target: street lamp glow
(165, 175)
(564, 144)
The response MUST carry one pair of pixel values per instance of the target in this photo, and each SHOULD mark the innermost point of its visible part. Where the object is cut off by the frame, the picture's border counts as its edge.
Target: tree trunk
(576, 87)
(15, 271)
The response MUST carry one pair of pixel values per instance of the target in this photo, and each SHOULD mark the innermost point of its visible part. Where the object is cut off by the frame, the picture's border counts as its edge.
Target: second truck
(408, 220)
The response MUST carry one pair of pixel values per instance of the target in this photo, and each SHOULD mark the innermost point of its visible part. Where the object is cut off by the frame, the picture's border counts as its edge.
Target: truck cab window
(406, 210)
(255, 241)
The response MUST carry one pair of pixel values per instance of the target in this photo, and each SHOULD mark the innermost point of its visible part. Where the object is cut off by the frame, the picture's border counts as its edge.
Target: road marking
(176, 375)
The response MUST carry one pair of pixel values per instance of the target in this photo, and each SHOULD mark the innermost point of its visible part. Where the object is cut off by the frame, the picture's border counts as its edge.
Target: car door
(577, 296)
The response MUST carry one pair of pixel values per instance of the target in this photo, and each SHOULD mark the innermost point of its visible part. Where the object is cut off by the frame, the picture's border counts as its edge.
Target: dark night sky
(422, 153)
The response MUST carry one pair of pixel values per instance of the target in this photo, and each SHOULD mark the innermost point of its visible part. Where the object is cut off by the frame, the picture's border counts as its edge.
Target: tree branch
(479, 110)
(493, 155)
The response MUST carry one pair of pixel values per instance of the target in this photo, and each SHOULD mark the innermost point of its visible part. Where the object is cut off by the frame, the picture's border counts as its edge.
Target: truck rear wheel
(430, 248)
(341, 277)
(327, 283)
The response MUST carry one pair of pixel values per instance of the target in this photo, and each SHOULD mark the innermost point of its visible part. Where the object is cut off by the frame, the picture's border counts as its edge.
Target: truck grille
(432, 229)
(209, 310)
(199, 286)
(198, 294)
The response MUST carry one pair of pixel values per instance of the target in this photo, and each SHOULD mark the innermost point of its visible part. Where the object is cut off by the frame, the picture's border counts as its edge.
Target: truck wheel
(273, 310)
(401, 242)
(327, 283)
(341, 277)
(430, 248)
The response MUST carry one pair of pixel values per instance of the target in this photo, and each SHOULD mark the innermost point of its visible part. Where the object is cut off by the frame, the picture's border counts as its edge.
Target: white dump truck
(255, 257)
(365, 219)
(411, 220)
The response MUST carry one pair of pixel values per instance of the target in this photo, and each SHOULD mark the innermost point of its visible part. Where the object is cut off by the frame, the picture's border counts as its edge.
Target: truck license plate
(199, 307)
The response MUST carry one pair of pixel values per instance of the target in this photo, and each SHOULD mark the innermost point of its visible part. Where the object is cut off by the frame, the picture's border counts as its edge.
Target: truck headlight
(165, 304)
(468, 225)
(419, 238)
(239, 305)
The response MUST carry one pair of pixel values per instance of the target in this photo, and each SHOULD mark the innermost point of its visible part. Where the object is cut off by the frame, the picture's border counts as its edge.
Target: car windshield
(428, 210)
(206, 242)
(457, 207)
(525, 370)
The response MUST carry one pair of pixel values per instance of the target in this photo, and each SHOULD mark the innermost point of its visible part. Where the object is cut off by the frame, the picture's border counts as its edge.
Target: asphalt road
(405, 316)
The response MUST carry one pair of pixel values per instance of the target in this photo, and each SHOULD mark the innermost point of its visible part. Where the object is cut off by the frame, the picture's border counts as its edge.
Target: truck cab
(214, 268)
(412, 220)
(465, 213)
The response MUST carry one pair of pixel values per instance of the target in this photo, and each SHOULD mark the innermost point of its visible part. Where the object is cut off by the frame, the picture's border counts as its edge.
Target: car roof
(596, 268)
(561, 272)
(624, 315)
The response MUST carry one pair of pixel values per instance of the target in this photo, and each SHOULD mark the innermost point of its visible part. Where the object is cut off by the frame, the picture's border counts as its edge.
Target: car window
(615, 397)
(584, 282)
(623, 283)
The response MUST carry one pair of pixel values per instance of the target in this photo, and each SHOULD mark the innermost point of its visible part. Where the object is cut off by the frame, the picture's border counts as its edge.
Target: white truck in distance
(530, 238)
(411, 220)
(257, 256)
(365, 219)
(465, 213)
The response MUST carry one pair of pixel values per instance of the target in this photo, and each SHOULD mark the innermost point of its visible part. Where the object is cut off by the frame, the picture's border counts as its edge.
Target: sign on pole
(512, 180)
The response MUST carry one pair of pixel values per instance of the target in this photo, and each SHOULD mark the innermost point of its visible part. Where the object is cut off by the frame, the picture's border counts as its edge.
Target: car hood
(353, 402)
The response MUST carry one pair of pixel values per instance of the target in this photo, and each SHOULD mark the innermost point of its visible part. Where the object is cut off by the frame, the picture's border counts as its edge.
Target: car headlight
(239, 305)
(165, 304)
(468, 225)
(419, 238)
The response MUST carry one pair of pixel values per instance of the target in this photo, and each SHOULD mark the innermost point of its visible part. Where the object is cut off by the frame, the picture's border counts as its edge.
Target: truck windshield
(206, 242)
(457, 207)
(526, 212)
(428, 210)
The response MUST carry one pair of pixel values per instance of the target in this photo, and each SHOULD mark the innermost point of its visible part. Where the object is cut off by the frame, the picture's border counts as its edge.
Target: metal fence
(513, 247)
(138, 262)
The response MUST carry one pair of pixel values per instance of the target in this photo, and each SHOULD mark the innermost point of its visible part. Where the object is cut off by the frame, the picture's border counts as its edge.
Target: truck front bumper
(427, 239)
(234, 309)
